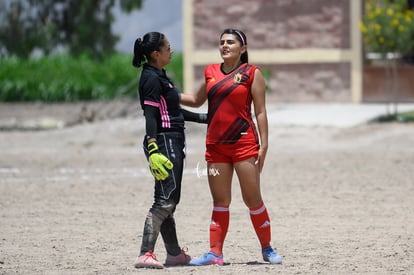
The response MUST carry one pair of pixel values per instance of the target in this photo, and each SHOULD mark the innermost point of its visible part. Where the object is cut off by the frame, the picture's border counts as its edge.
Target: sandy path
(73, 201)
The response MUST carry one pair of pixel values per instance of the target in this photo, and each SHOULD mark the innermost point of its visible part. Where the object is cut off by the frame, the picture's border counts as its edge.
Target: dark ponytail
(241, 37)
(143, 47)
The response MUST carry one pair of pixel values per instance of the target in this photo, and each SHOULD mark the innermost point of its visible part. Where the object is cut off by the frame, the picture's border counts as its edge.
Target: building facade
(309, 51)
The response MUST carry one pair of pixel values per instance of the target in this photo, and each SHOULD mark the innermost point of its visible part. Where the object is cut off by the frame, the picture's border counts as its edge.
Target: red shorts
(231, 153)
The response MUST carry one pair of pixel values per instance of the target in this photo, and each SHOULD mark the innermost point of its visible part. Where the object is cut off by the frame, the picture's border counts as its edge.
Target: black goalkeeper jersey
(156, 89)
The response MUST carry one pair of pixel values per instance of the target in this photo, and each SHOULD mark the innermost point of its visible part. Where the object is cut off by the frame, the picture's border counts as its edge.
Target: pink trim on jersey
(162, 106)
(165, 118)
(151, 103)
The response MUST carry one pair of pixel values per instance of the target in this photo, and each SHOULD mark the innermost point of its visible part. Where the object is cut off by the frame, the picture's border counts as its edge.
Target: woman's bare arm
(195, 100)
(259, 101)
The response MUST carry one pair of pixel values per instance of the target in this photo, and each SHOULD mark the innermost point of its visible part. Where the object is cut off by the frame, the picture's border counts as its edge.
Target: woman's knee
(164, 209)
(252, 201)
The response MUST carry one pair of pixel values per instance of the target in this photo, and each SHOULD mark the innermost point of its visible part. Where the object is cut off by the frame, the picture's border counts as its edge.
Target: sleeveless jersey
(229, 105)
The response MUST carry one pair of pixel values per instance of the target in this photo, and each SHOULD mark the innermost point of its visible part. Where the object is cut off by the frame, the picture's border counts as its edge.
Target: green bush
(388, 26)
(65, 78)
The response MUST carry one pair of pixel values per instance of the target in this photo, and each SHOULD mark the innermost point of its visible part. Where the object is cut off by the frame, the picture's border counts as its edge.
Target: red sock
(218, 228)
(261, 223)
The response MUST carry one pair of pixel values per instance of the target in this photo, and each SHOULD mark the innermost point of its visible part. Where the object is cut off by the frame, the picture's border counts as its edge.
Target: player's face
(230, 47)
(165, 53)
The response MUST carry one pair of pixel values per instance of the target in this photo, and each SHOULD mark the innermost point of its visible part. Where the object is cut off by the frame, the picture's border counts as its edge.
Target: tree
(80, 27)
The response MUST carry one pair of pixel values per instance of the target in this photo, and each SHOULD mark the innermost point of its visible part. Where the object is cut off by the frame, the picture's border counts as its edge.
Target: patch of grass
(406, 116)
(400, 117)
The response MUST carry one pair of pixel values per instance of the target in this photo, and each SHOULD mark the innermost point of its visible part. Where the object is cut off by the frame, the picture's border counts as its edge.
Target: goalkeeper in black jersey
(164, 143)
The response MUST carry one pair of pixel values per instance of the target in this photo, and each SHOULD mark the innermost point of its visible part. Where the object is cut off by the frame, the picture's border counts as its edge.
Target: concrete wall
(274, 24)
(310, 50)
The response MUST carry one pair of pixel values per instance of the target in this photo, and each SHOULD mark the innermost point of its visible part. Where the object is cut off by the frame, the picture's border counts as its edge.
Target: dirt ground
(73, 199)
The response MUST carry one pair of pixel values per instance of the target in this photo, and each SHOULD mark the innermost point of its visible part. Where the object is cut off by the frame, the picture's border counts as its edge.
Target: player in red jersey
(232, 142)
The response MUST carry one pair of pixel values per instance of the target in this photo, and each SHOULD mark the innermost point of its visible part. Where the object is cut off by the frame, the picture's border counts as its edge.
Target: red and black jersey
(229, 105)
(156, 89)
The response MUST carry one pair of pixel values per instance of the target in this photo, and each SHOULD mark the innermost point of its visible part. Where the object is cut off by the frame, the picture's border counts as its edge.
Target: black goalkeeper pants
(160, 218)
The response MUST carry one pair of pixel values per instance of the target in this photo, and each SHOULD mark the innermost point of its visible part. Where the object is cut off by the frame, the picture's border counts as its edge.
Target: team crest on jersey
(237, 78)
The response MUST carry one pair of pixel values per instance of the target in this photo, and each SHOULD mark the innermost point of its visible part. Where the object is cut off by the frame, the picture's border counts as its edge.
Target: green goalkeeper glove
(158, 162)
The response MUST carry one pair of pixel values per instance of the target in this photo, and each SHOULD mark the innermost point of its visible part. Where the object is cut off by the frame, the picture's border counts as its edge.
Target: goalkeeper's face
(165, 53)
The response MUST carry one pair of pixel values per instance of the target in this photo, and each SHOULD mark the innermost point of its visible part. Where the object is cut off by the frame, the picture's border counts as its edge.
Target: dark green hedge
(64, 78)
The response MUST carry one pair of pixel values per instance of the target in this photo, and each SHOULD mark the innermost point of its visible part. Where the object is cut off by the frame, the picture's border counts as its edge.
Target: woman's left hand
(261, 158)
